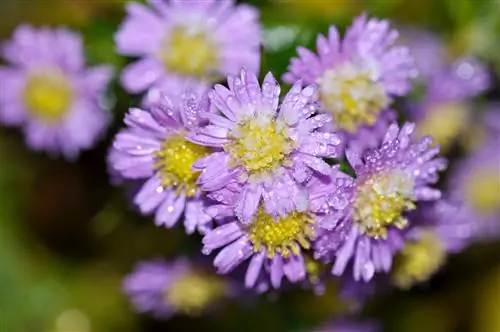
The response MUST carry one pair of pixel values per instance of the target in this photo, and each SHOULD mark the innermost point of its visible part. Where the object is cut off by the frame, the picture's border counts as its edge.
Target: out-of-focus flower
(358, 76)
(347, 326)
(203, 40)
(153, 147)
(48, 91)
(443, 112)
(365, 217)
(163, 288)
(268, 149)
(476, 183)
(444, 229)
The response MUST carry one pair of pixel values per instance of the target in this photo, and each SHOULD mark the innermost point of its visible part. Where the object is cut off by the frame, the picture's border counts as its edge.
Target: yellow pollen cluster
(48, 95)
(191, 294)
(444, 123)
(352, 95)
(483, 190)
(190, 53)
(313, 269)
(174, 162)
(418, 260)
(259, 146)
(284, 235)
(381, 201)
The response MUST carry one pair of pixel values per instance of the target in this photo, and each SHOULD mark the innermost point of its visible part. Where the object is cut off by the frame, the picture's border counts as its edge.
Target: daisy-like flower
(47, 90)
(476, 184)
(153, 147)
(445, 228)
(275, 246)
(358, 76)
(268, 148)
(366, 216)
(203, 40)
(163, 288)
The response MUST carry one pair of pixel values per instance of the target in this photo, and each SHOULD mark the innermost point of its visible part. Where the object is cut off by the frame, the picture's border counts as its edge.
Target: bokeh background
(67, 236)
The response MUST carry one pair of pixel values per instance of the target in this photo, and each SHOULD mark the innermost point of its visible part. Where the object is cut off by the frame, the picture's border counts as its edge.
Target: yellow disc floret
(352, 95)
(194, 292)
(483, 190)
(284, 235)
(418, 260)
(380, 202)
(259, 145)
(190, 53)
(174, 162)
(48, 95)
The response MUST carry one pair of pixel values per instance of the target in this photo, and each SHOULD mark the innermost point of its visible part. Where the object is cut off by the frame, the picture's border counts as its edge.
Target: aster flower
(275, 246)
(203, 40)
(365, 217)
(444, 228)
(153, 148)
(347, 326)
(163, 288)
(268, 149)
(358, 76)
(475, 183)
(48, 91)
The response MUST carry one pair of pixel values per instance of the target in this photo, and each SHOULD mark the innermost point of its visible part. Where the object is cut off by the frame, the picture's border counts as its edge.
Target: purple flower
(475, 183)
(275, 246)
(204, 40)
(153, 147)
(347, 326)
(443, 229)
(267, 149)
(364, 217)
(48, 91)
(358, 76)
(166, 288)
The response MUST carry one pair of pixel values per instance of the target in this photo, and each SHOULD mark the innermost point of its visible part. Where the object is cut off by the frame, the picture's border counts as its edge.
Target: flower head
(366, 216)
(153, 147)
(166, 288)
(268, 149)
(358, 76)
(203, 40)
(47, 90)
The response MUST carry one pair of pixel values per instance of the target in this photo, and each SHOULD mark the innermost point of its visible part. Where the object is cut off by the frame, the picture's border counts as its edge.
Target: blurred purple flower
(269, 149)
(164, 289)
(203, 40)
(365, 217)
(358, 76)
(153, 147)
(47, 90)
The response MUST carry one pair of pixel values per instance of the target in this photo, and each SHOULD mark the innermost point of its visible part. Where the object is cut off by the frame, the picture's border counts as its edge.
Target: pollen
(418, 260)
(194, 292)
(483, 190)
(259, 145)
(190, 53)
(381, 201)
(352, 95)
(314, 269)
(174, 163)
(284, 235)
(48, 95)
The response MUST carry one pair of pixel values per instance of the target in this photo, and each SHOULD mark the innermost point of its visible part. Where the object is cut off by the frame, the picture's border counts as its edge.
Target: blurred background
(67, 237)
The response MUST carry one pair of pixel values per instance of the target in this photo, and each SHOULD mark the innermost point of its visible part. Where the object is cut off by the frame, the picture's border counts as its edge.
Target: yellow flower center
(174, 162)
(259, 145)
(190, 53)
(352, 95)
(191, 294)
(418, 260)
(48, 95)
(483, 190)
(380, 202)
(444, 123)
(284, 235)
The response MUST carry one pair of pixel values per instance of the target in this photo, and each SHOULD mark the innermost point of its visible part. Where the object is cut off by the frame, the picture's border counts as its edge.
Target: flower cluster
(289, 188)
